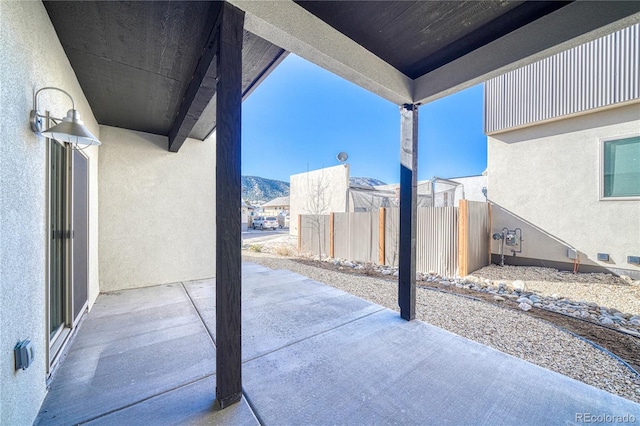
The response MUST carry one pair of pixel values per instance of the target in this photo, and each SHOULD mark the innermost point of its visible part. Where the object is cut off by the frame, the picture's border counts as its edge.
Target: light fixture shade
(71, 130)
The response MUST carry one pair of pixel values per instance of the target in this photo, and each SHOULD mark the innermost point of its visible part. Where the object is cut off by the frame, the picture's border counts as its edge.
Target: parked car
(265, 222)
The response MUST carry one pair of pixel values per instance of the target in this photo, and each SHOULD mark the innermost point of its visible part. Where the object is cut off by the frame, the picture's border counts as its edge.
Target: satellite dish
(342, 157)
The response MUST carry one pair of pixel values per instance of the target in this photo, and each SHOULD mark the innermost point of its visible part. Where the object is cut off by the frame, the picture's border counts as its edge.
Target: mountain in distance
(365, 181)
(258, 190)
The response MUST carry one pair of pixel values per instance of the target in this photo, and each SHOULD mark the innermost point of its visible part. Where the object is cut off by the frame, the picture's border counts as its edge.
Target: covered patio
(406, 52)
(312, 355)
(152, 336)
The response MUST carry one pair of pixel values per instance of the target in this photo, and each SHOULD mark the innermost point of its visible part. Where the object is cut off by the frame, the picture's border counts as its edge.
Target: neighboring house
(318, 192)
(564, 154)
(329, 190)
(472, 188)
(276, 206)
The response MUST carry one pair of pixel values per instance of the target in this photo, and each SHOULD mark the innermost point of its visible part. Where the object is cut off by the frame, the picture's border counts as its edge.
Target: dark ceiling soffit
(499, 27)
(258, 80)
(202, 88)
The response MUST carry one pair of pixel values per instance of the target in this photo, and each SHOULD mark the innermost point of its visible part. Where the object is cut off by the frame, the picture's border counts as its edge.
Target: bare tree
(318, 207)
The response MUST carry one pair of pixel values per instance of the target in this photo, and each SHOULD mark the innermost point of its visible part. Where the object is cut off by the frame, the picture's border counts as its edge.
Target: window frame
(602, 143)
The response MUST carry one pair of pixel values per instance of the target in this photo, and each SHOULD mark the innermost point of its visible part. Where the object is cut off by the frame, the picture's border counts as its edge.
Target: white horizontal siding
(597, 74)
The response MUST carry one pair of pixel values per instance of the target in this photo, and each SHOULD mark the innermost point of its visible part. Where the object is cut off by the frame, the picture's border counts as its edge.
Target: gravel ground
(603, 289)
(514, 333)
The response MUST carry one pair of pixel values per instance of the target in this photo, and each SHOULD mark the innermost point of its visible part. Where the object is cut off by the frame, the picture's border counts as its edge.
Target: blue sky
(302, 116)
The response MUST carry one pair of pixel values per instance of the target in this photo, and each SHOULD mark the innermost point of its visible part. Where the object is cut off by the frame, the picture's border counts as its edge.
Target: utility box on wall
(23, 352)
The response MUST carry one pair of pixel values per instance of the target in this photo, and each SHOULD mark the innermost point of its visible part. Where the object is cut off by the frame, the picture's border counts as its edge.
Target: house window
(621, 168)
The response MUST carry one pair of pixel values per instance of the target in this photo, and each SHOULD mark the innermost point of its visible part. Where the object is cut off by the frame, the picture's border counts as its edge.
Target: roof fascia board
(570, 26)
(294, 29)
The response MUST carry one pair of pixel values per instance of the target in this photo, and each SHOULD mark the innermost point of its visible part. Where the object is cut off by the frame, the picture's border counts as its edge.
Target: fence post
(331, 235)
(299, 233)
(463, 238)
(490, 228)
(381, 227)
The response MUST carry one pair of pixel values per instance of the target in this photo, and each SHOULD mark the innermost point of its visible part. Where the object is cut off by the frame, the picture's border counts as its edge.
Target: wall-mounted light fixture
(69, 129)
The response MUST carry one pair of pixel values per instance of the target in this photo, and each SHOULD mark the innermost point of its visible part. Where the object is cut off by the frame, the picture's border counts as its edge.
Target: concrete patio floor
(312, 354)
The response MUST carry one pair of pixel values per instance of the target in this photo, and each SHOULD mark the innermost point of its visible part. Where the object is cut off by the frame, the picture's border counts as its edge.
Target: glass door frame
(60, 337)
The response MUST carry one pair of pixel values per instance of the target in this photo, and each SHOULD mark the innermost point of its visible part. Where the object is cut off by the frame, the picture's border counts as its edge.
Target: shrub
(284, 251)
(369, 269)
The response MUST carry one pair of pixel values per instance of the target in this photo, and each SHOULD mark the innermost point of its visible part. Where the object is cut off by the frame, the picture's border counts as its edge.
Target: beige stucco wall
(157, 210)
(303, 190)
(32, 58)
(549, 174)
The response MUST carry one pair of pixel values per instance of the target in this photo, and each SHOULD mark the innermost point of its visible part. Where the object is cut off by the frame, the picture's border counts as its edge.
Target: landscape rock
(519, 291)
(519, 285)
(605, 321)
(524, 306)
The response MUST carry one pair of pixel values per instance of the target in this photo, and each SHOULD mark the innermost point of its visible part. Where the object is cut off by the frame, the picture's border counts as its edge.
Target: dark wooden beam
(408, 211)
(201, 90)
(228, 217)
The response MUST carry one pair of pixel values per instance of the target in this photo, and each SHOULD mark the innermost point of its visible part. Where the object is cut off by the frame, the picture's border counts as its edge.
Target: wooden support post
(299, 233)
(228, 218)
(331, 235)
(408, 211)
(381, 227)
(463, 238)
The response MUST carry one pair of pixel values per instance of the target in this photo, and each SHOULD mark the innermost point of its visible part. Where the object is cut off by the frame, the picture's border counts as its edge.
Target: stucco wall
(32, 57)
(157, 210)
(549, 174)
(325, 188)
(472, 187)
